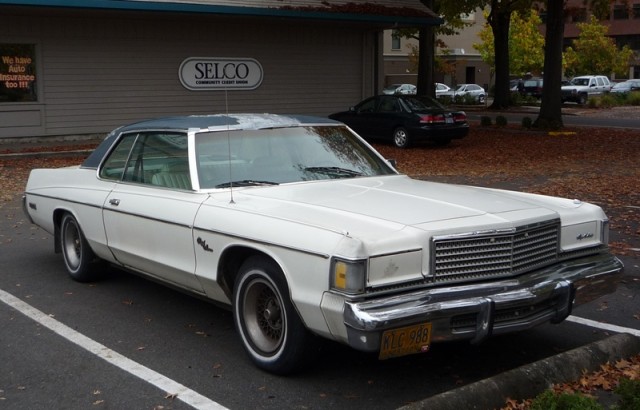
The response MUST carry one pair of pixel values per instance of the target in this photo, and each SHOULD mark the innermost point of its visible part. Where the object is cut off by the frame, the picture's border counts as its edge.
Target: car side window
(152, 158)
(367, 106)
(114, 166)
(388, 105)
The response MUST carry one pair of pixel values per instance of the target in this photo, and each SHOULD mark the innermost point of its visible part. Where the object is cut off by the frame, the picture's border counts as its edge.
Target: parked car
(626, 87)
(441, 88)
(404, 89)
(581, 88)
(304, 230)
(404, 120)
(532, 87)
(462, 90)
(515, 83)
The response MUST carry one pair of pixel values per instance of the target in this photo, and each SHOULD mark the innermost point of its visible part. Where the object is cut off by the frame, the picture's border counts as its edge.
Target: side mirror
(392, 162)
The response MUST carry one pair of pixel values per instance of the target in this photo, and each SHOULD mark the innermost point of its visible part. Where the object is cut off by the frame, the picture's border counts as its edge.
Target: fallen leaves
(605, 379)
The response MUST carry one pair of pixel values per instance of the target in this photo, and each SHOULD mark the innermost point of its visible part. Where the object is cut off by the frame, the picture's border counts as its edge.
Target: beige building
(463, 58)
(70, 67)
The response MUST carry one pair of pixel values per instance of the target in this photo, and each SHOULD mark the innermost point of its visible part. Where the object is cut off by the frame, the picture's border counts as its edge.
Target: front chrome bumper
(477, 311)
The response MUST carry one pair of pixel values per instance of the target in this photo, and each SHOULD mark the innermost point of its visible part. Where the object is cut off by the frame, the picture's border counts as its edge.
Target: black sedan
(405, 119)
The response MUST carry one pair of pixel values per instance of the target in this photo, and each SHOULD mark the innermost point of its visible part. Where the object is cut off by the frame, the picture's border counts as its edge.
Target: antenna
(226, 105)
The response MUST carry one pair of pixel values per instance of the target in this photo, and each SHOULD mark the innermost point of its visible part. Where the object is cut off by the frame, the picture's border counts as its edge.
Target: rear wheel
(76, 251)
(271, 330)
(401, 138)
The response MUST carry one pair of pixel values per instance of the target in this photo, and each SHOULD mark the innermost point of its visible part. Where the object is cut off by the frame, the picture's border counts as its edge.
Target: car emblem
(204, 244)
(584, 236)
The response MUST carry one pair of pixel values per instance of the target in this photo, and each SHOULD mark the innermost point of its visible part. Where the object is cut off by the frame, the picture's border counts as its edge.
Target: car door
(148, 216)
(360, 118)
(389, 115)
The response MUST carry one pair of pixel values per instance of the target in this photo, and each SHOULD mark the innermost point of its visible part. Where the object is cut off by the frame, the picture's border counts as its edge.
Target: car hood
(370, 207)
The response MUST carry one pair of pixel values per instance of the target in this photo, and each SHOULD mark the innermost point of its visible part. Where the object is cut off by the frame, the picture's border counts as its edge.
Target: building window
(620, 12)
(18, 73)
(580, 16)
(636, 11)
(395, 41)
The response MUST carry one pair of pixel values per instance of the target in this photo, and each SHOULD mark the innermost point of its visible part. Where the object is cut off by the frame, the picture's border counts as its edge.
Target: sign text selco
(211, 73)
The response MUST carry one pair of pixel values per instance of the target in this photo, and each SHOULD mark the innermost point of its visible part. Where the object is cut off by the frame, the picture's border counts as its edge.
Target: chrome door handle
(114, 202)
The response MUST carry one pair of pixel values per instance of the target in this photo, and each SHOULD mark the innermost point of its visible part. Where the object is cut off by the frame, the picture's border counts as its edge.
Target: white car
(581, 88)
(474, 91)
(441, 89)
(404, 89)
(305, 230)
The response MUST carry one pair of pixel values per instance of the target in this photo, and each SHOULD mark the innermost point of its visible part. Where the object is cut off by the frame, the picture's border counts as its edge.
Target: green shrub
(592, 102)
(485, 121)
(608, 101)
(527, 122)
(564, 401)
(633, 98)
(629, 392)
(501, 121)
(445, 100)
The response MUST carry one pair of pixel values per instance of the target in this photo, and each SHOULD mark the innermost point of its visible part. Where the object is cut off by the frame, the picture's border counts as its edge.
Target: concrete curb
(532, 379)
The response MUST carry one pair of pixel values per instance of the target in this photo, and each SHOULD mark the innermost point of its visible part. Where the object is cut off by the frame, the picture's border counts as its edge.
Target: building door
(470, 75)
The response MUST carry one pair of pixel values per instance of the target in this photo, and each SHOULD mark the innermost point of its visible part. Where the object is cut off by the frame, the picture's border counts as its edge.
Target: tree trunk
(500, 19)
(426, 60)
(426, 56)
(550, 115)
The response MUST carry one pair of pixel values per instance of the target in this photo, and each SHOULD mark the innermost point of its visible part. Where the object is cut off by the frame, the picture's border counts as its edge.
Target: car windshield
(283, 155)
(422, 103)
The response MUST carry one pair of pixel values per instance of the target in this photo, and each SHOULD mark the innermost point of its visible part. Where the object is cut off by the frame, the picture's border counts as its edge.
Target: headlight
(348, 276)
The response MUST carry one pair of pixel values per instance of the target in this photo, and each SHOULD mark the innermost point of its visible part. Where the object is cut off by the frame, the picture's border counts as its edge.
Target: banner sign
(211, 73)
(17, 73)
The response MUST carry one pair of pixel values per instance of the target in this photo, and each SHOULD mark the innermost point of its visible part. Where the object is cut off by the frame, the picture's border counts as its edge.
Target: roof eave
(300, 13)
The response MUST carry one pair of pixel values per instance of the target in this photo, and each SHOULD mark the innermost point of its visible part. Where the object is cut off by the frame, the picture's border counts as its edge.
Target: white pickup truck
(581, 88)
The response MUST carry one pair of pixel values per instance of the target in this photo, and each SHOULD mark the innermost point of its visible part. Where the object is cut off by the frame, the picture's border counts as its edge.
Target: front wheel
(582, 99)
(76, 251)
(271, 330)
(401, 138)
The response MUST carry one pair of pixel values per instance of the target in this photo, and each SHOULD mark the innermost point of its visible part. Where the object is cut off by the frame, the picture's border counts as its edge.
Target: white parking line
(603, 326)
(172, 387)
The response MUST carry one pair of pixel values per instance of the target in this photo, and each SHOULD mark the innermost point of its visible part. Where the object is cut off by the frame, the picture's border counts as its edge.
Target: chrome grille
(484, 255)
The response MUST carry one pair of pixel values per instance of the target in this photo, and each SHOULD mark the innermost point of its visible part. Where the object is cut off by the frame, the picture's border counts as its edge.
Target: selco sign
(204, 73)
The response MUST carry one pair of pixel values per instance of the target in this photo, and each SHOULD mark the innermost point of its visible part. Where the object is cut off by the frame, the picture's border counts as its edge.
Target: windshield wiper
(245, 182)
(334, 171)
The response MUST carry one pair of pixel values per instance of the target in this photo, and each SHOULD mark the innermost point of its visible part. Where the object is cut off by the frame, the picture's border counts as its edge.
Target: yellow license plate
(405, 341)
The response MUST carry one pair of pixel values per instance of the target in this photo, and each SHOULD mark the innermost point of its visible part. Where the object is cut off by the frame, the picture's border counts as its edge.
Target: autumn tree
(595, 53)
(526, 44)
(500, 21)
